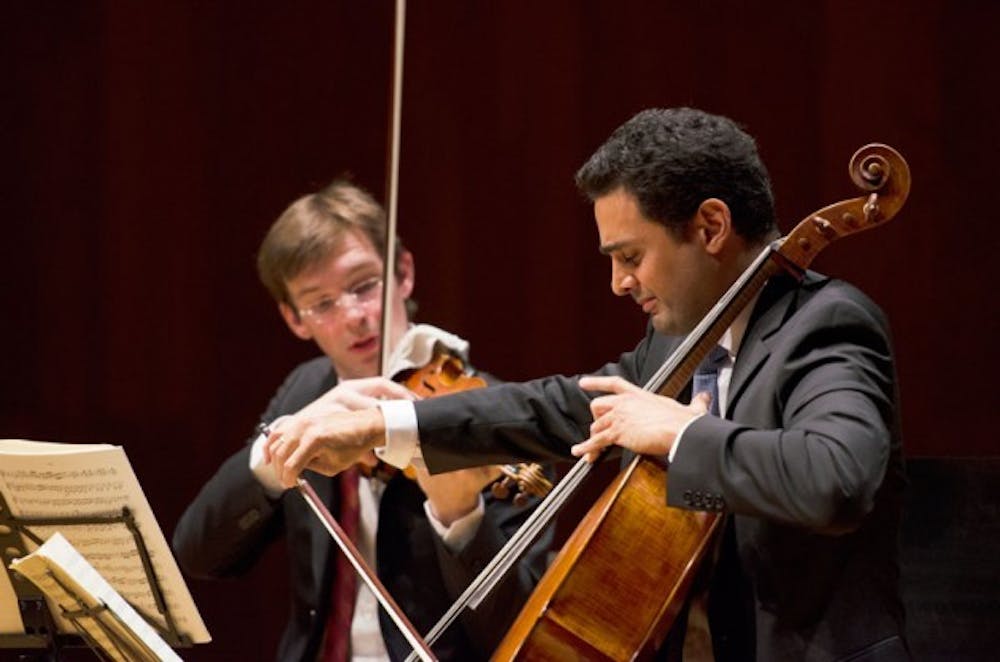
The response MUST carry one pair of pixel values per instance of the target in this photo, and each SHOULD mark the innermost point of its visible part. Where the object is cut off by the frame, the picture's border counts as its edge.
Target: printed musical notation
(68, 580)
(42, 480)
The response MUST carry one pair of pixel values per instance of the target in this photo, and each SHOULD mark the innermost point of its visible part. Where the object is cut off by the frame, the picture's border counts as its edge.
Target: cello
(591, 604)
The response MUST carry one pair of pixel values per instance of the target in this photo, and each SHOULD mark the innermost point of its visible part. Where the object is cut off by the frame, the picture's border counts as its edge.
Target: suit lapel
(773, 308)
(322, 543)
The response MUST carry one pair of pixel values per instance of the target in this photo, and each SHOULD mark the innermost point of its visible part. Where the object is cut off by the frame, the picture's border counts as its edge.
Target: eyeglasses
(363, 294)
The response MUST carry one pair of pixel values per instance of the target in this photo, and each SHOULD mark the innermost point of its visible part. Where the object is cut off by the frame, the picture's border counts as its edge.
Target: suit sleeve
(818, 442)
(537, 420)
(229, 524)
(232, 521)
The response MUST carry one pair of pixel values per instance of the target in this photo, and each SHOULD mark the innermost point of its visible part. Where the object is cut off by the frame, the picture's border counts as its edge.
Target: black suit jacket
(807, 464)
(232, 521)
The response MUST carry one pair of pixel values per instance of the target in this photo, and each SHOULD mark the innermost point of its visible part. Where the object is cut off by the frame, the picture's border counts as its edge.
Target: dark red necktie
(337, 643)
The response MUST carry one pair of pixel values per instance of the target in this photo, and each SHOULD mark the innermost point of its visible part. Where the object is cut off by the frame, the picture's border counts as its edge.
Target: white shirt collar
(416, 347)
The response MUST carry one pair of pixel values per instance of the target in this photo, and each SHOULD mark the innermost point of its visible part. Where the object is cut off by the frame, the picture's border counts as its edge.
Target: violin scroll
(529, 480)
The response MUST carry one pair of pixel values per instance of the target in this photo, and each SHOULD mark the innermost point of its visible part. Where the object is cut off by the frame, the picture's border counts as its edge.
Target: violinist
(799, 448)
(322, 262)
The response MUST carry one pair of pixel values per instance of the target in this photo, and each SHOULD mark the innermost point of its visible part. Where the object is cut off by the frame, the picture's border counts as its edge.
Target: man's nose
(622, 282)
(357, 312)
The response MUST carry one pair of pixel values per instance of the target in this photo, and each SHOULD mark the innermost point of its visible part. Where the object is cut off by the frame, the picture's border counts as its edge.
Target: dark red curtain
(148, 146)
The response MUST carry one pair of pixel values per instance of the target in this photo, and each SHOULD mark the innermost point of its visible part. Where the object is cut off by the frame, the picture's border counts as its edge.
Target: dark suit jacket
(808, 468)
(232, 521)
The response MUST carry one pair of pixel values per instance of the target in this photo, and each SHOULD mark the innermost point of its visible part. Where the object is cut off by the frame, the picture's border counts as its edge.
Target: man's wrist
(457, 534)
(373, 429)
(677, 440)
(264, 473)
(447, 514)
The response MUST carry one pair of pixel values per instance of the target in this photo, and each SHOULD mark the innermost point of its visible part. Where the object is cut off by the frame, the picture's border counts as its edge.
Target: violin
(445, 374)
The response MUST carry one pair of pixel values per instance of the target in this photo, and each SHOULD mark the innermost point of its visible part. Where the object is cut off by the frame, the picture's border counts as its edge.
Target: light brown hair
(311, 229)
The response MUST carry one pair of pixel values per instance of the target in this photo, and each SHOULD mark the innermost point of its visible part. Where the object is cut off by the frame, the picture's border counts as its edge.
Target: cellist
(793, 435)
(322, 261)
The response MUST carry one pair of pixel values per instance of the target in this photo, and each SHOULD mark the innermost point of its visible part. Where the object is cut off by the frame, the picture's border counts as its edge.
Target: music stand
(41, 627)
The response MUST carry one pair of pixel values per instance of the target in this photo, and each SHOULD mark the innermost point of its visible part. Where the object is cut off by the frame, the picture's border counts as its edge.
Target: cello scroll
(877, 169)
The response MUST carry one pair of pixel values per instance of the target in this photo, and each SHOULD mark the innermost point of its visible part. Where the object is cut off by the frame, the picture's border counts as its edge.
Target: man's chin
(667, 325)
(660, 323)
(358, 369)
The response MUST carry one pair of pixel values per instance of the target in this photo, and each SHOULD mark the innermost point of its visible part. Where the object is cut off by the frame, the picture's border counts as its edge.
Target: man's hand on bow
(327, 443)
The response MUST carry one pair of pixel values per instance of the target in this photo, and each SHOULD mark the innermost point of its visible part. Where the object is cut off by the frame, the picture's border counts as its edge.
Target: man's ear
(294, 321)
(713, 225)
(406, 274)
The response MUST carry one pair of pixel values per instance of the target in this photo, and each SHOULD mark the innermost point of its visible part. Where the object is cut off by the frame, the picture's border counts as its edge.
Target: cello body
(562, 622)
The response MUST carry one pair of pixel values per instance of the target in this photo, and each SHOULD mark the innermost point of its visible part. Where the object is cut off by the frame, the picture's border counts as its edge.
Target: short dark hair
(673, 159)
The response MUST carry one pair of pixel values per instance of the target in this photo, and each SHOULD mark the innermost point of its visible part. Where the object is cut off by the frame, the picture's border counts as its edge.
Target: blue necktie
(706, 377)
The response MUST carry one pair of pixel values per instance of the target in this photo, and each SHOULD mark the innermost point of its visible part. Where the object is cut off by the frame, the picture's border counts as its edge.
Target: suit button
(249, 519)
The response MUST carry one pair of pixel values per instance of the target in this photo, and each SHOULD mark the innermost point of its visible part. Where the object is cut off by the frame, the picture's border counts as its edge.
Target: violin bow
(347, 547)
(392, 187)
(368, 576)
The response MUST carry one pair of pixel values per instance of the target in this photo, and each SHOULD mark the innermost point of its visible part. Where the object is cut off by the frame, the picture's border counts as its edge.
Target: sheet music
(68, 580)
(47, 480)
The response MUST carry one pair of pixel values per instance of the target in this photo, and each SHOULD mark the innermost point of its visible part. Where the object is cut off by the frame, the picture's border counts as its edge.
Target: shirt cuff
(263, 472)
(461, 531)
(680, 436)
(402, 447)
